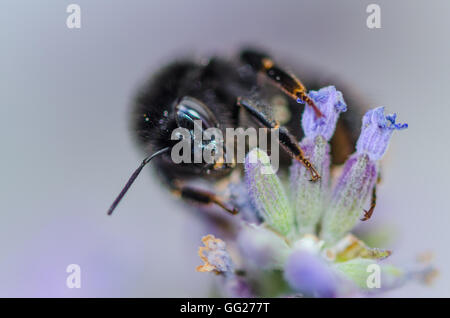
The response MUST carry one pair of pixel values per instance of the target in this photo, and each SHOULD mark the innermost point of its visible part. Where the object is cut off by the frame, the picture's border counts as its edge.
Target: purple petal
(376, 133)
(307, 273)
(331, 103)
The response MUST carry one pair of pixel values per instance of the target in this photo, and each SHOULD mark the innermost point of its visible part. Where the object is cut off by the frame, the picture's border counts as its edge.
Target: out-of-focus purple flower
(236, 286)
(215, 256)
(246, 208)
(307, 273)
(217, 259)
(262, 247)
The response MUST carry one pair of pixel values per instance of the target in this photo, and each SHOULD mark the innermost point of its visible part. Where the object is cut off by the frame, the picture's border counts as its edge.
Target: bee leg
(202, 197)
(373, 202)
(286, 139)
(287, 82)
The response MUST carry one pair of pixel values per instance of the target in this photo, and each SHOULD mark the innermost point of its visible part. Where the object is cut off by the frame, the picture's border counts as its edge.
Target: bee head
(198, 126)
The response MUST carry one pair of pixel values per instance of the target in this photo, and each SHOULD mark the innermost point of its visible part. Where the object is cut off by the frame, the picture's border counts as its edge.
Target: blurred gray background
(66, 148)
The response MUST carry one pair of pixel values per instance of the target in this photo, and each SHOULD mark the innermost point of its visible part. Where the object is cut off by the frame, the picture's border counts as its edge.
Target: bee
(247, 90)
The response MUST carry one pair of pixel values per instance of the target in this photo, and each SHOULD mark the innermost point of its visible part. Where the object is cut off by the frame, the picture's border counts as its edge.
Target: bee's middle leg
(201, 196)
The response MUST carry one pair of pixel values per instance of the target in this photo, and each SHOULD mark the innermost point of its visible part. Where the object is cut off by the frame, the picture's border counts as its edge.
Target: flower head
(359, 175)
(308, 197)
(301, 242)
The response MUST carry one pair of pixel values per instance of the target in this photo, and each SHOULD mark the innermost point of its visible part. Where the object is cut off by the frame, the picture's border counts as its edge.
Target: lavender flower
(284, 253)
(308, 197)
(330, 103)
(360, 174)
(376, 132)
(267, 192)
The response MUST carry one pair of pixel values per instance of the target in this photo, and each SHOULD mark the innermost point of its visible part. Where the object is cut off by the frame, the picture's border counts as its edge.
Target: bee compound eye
(189, 110)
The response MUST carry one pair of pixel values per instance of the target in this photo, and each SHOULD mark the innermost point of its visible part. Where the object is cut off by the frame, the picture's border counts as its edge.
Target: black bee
(226, 93)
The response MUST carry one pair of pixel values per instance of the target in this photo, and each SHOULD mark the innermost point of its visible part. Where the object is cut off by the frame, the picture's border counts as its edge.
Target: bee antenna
(133, 178)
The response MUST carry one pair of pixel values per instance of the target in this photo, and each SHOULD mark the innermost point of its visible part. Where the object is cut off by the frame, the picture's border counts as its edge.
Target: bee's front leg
(286, 139)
